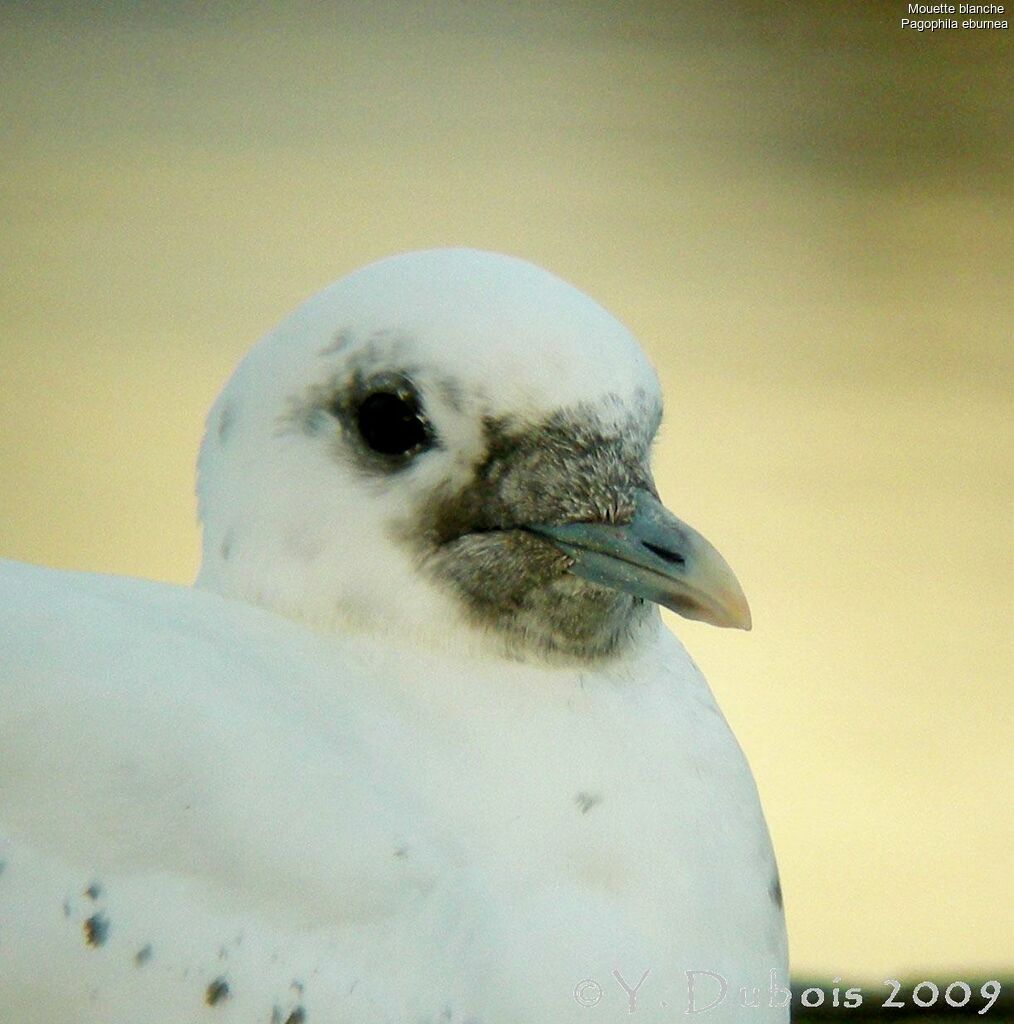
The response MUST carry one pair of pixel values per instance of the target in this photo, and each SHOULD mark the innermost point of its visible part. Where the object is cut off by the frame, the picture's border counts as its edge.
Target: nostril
(672, 557)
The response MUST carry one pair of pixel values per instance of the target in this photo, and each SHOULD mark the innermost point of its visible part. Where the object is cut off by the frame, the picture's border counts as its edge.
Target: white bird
(417, 747)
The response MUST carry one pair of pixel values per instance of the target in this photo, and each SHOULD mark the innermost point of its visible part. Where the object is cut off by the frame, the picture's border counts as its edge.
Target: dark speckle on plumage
(96, 930)
(217, 992)
(775, 891)
(225, 549)
(94, 891)
(143, 955)
(225, 422)
(586, 801)
(296, 1016)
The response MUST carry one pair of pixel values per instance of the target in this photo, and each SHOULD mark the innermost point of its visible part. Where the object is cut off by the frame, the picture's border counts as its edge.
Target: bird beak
(657, 557)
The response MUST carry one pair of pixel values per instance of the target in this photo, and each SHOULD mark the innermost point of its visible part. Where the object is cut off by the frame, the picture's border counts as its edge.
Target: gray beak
(657, 557)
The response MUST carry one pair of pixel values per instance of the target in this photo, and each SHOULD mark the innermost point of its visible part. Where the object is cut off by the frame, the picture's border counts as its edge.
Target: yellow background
(801, 209)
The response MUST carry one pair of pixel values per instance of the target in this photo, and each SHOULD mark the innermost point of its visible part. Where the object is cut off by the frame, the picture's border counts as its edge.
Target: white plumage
(416, 749)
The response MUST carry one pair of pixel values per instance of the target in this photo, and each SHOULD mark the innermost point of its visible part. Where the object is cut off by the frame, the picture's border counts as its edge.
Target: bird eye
(391, 423)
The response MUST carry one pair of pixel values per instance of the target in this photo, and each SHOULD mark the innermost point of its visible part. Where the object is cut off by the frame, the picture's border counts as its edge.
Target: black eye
(393, 424)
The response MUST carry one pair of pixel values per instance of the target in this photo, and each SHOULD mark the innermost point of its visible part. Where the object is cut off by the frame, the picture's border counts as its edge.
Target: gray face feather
(475, 538)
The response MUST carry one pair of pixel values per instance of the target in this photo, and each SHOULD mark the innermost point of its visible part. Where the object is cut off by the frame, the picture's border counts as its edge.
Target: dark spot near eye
(450, 392)
(217, 992)
(672, 557)
(143, 955)
(297, 986)
(225, 422)
(94, 891)
(341, 340)
(775, 892)
(586, 801)
(96, 929)
(402, 851)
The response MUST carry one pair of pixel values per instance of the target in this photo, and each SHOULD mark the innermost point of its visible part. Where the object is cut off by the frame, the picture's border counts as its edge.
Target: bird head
(452, 443)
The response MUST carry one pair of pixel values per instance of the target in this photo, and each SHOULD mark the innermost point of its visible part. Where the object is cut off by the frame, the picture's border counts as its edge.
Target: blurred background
(802, 210)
